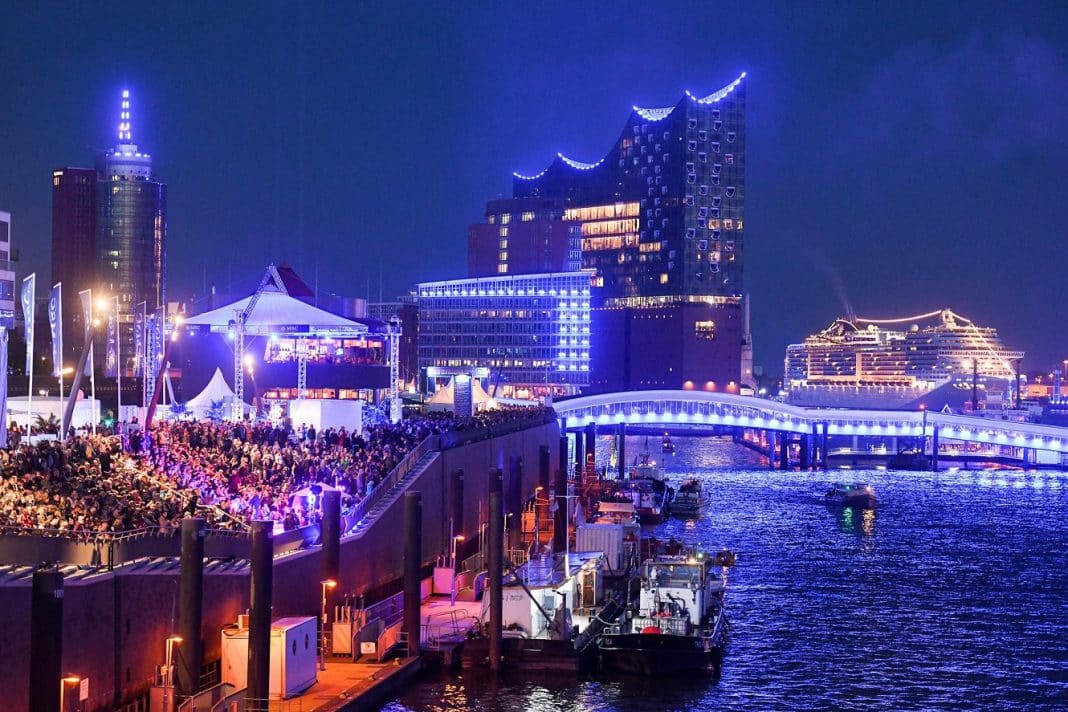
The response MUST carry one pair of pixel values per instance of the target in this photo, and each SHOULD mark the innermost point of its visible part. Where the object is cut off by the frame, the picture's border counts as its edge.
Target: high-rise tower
(131, 234)
(109, 232)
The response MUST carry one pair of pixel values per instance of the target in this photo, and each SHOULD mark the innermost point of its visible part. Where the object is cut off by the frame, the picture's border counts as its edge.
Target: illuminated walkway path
(700, 408)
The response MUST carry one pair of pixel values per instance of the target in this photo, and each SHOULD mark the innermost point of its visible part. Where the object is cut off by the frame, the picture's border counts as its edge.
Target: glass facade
(530, 333)
(662, 213)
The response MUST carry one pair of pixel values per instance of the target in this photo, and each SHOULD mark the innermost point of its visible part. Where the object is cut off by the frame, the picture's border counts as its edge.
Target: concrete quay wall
(115, 623)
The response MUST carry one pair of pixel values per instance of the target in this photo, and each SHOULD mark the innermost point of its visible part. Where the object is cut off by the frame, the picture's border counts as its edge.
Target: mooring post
(190, 607)
(413, 563)
(496, 569)
(46, 640)
(258, 687)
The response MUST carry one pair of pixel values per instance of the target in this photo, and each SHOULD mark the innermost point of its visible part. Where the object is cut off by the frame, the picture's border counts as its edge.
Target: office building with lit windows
(7, 274)
(662, 224)
(109, 233)
(525, 336)
(523, 236)
(74, 259)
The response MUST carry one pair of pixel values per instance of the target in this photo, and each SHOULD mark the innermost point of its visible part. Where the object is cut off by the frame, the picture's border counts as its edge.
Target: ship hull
(659, 654)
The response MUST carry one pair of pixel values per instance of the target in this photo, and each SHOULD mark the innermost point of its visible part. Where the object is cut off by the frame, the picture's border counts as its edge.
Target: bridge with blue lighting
(724, 412)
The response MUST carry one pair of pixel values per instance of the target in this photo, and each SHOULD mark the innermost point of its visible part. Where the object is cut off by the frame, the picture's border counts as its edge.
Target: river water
(952, 594)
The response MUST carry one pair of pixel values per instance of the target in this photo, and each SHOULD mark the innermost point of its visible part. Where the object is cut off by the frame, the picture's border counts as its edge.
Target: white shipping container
(294, 656)
(606, 538)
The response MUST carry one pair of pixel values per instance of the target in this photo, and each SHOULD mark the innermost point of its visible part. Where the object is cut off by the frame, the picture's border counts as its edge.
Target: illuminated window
(663, 278)
(502, 243)
(491, 219)
(527, 216)
(502, 269)
(504, 232)
(705, 330)
(506, 218)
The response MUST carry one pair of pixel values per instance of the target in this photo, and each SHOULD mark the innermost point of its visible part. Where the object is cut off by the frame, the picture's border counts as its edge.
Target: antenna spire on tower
(124, 117)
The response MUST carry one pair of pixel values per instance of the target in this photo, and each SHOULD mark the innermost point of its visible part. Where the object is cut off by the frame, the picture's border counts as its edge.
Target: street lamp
(168, 670)
(328, 585)
(63, 682)
(456, 540)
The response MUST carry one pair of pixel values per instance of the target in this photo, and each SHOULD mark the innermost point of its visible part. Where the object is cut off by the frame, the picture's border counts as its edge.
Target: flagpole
(29, 289)
(93, 410)
(118, 363)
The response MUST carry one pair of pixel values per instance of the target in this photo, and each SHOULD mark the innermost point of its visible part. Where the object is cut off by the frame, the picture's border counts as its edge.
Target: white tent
(278, 313)
(216, 390)
(445, 398)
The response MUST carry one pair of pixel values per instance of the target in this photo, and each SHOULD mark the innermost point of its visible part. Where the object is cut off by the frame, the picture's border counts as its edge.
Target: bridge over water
(810, 428)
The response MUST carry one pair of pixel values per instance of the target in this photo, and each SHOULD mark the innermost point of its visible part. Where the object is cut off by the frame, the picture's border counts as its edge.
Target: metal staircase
(387, 498)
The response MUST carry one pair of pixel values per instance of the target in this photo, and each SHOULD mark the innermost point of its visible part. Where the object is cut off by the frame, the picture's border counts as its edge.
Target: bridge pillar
(770, 436)
(823, 445)
(622, 451)
(591, 442)
(784, 452)
(806, 452)
(934, 449)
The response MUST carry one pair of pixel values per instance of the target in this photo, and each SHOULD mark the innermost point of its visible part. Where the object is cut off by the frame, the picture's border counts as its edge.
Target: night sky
(900, 158)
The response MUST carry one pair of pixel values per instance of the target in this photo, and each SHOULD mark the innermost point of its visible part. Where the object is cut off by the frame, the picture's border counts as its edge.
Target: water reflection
(960, 579)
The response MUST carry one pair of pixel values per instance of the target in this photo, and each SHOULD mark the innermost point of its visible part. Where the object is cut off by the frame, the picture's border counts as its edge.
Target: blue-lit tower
(131, 241)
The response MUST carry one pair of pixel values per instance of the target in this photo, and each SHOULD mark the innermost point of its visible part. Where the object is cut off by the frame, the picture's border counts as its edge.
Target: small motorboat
(667, 446)
(689, 499)
(858, 495)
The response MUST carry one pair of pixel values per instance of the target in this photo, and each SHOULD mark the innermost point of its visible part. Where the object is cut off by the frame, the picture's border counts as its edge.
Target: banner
(86, 295)
(139, 339)
(111, 346)
(29, 294)
(55, 324)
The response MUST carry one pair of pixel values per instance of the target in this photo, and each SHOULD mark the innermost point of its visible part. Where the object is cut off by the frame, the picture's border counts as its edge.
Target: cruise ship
(931, 360)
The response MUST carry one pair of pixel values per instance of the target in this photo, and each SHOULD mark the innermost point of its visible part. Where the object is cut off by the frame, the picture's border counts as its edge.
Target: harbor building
(934, 359)
(662, 225)
(524, 336)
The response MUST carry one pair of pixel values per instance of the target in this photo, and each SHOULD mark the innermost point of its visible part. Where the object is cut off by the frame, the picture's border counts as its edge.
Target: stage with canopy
(273, 312)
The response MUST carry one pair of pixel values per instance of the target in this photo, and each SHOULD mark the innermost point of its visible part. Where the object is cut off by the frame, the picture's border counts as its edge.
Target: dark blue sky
(901, 157)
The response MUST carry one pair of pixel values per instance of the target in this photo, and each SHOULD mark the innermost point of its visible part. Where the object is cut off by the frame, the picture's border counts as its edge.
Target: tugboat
(689, 499)
(667, 446)
(680, 625)
(859, 496)
(553, 610)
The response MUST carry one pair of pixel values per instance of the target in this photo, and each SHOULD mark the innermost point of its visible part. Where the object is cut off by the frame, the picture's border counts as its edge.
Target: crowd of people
(229, 473)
